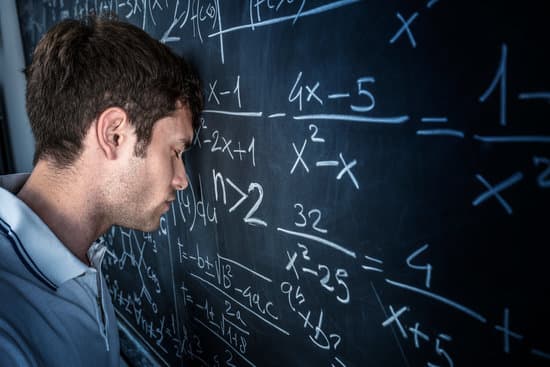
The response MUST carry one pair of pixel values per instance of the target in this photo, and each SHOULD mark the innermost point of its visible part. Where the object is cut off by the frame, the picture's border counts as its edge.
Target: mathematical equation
(190, 291)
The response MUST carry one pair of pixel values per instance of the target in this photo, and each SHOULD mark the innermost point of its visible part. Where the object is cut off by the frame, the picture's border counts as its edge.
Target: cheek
(160, 173)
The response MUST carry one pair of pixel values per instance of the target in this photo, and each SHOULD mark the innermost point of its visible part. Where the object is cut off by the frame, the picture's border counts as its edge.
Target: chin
(146, 221)
(145, 226)
(151, 227)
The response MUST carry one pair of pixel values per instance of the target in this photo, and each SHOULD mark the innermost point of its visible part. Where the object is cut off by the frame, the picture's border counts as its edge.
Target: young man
(112, 111)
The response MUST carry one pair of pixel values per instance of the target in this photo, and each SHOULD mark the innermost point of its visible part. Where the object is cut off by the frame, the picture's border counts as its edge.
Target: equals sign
(372, 268)
(441, 132)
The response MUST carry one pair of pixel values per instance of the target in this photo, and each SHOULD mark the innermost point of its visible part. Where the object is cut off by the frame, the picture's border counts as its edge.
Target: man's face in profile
(149, 184)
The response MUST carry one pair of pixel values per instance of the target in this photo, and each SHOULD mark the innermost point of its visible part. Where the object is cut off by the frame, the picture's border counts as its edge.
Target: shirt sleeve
(13, 351)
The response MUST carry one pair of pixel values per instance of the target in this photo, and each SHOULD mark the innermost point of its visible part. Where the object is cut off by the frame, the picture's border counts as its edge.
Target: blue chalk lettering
(500, 76)
(439, 298)
(494, 191)
(441, 132)
(535, 95)
(434, 119)
(355, 118)
(395, 318)
(405, 28)
(427, 267)
(317, 10)
(540, 353)
(506, 333)
(543, 180)
(514, 139)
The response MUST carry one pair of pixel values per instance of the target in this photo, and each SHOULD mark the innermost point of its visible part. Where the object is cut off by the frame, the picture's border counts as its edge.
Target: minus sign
(207, 141)
(277, 115)
(441, 132)
(224, 93)
(327, 163)
(434, 119)
(338, 95)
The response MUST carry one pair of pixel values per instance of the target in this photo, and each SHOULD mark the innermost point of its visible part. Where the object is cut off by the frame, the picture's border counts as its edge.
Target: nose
(180, 182)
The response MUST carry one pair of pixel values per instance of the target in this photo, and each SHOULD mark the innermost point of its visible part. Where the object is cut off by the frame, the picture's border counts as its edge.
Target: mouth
(167, 204)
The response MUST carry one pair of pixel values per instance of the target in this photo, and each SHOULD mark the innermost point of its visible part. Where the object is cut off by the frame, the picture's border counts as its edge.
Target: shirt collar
(96, 253)
(38, 247)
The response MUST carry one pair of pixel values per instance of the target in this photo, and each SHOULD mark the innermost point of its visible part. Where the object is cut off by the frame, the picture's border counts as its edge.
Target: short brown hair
(82, 67)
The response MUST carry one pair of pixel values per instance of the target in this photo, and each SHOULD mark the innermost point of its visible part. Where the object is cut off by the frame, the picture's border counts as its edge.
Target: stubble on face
(146, 185)
(136, 207)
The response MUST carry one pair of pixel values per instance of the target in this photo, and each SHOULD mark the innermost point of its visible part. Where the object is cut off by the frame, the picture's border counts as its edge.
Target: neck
(62, 200)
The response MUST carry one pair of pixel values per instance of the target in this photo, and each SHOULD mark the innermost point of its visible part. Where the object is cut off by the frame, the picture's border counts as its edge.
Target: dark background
(210, 289)
(6, 160)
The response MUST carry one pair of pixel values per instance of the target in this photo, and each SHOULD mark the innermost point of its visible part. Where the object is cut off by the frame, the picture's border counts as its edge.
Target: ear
(113, 131)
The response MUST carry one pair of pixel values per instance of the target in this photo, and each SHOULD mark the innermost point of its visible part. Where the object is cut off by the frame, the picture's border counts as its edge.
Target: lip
(167, 205)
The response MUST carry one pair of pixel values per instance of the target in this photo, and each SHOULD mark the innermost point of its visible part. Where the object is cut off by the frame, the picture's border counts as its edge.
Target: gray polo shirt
(54, 309)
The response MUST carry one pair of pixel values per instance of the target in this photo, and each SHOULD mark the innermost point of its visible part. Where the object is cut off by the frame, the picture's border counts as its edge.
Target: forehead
(175, 128)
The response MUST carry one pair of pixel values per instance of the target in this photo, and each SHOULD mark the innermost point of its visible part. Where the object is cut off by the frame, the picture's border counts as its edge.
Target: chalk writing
(344, 175)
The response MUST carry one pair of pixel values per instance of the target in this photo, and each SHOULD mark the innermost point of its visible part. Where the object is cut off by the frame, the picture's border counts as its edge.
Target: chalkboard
(368, 186)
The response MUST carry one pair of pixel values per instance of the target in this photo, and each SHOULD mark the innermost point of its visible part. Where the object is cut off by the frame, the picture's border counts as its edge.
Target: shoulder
(15, 316)
(22, 298)
(13, 273)
(31, 330)
(14, 351)
(21, 294)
